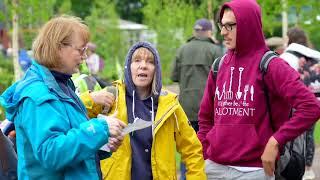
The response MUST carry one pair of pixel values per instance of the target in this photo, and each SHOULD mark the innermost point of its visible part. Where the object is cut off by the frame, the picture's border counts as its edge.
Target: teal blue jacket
(55, 139)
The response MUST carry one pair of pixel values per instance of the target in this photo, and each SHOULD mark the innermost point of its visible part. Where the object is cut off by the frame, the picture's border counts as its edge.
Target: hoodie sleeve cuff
(280, 139)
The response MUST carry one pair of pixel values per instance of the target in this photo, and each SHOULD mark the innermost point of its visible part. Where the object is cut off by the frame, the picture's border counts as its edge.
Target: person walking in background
(239, 139)
(93, 60)
(191, 68)
(25, 60)
(5, 42)
(55, 138)
(304, 60)
(150, 153)
(95, 64)
(297, 48)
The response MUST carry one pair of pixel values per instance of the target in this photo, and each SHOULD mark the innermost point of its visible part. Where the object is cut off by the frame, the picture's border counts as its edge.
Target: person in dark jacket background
(191, 68)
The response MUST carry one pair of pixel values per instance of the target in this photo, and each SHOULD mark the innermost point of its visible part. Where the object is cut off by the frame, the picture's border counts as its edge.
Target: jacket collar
(46, 76)
(168, 103)
(193, 38)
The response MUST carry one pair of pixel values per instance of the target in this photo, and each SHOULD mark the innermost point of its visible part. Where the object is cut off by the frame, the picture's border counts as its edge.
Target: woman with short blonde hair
(59, 32)
(55, 137)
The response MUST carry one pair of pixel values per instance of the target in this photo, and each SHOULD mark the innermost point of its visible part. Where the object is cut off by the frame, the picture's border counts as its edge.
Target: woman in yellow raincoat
(150, 153)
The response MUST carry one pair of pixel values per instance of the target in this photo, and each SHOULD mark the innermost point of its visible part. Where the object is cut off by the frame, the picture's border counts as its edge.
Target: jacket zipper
(160, 120)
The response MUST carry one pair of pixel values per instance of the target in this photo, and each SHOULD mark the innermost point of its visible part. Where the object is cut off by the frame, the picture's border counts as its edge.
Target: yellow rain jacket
(171, 132)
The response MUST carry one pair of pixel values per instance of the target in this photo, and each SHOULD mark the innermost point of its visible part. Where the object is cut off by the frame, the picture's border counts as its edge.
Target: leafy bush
(103, 23)
(6, 78)
(2, 116)
(317, 133)
(6, 71)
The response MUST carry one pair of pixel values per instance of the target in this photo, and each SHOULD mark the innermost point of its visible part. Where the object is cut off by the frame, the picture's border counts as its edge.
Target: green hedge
(6, 78)
(317, 133)
(7, 75)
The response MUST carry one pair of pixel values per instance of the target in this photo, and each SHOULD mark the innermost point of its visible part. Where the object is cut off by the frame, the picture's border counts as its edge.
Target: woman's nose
(142, 65)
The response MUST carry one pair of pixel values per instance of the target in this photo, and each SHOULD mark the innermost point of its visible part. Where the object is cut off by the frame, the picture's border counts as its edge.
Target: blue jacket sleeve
(58, 140)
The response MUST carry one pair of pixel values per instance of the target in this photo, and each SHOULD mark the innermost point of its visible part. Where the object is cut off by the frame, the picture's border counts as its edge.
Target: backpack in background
(291, 164)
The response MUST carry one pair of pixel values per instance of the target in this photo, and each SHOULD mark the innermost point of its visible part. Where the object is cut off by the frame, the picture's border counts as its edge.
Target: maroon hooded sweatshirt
(234, 120)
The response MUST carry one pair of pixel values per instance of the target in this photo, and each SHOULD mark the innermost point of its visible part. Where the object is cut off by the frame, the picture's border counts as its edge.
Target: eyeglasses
(227, 26)
(82, 51)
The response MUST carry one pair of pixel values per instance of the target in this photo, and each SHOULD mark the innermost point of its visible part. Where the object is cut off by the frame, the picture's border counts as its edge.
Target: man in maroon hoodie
(239, 139)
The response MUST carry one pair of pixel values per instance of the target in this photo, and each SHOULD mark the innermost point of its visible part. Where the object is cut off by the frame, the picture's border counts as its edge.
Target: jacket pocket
(233, 142)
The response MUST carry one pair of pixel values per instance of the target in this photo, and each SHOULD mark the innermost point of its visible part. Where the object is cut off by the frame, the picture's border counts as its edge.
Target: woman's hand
(115, 130)
(103, 97)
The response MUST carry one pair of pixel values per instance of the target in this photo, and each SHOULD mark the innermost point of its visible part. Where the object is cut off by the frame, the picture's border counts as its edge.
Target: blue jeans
(182, 171)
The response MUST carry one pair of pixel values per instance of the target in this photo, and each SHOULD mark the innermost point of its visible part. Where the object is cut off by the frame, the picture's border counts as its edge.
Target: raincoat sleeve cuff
(92, 108)
(87, 100)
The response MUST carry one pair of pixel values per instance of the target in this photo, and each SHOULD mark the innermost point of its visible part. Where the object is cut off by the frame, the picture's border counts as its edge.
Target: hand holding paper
(136, 125)
(115, 131)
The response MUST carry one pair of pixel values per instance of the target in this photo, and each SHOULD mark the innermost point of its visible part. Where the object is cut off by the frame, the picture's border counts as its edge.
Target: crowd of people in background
(232, 122)
(305, 60)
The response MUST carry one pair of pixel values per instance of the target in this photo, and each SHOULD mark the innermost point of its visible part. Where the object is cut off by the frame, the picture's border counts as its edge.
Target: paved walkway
(316, 161)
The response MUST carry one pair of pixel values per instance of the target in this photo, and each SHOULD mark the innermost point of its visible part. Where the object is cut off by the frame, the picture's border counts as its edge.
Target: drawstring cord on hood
(152, 114)
(134, 117)
(152, 111)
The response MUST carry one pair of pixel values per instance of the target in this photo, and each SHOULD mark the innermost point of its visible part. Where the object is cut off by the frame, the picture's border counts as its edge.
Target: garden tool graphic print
(235, 103)
(229, 94)
(244, 92)
(239, 93)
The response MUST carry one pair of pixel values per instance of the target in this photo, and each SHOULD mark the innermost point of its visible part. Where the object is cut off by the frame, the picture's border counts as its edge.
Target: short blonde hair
(53, 35)
(145, 52)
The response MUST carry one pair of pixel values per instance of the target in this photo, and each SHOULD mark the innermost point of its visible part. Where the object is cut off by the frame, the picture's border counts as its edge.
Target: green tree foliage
(271, 16)
(306, 14)
(300, 14)
(173, 22)
(31, 16)
(6, 69)
(64, 7)
(103, 23)
(130, 10)
(6, 78)
(81, 8)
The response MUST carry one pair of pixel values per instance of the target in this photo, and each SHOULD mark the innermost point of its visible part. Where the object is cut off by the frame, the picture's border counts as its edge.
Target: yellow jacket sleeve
(189, 146)
(92, 108)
